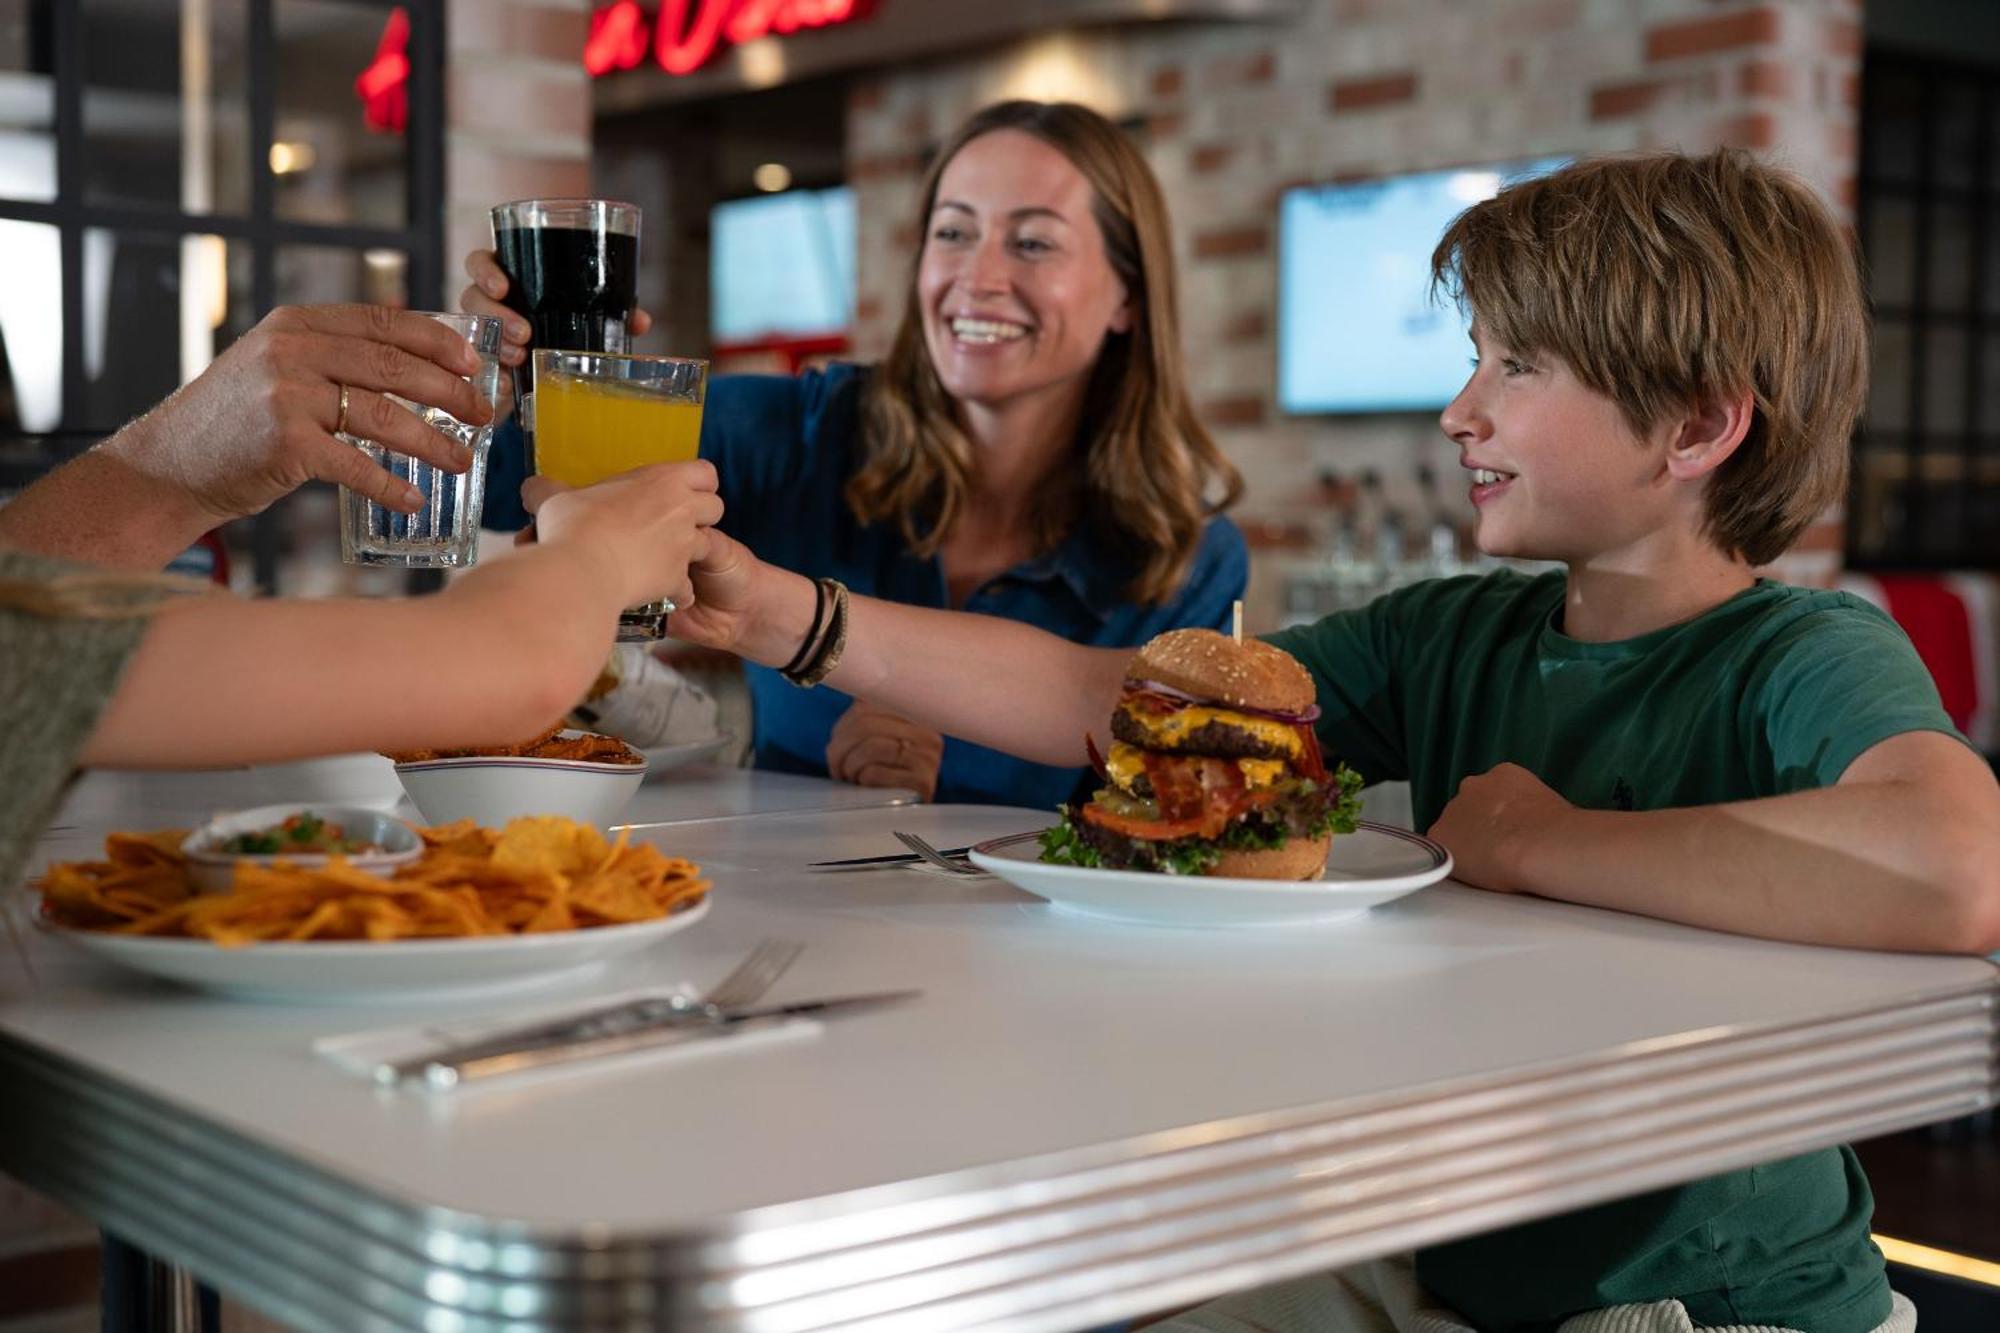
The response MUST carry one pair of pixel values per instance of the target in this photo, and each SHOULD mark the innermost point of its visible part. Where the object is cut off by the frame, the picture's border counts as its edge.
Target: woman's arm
(994, 682)
(251, 428)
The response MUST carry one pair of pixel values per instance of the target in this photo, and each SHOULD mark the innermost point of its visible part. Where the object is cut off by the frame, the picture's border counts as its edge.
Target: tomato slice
(1147, 830)
(1202, 809)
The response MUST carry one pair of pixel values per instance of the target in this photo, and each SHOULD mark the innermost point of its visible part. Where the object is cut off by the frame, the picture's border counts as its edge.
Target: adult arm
(993, 682)
(251, 428)
(1903, 852)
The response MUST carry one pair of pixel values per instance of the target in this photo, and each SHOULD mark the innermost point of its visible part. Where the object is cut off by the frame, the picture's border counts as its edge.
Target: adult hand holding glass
(643, 528)
(487, 296)
(254, 426)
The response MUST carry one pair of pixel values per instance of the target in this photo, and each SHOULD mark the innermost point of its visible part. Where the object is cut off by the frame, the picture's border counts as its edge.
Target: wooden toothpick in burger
(1214, 767)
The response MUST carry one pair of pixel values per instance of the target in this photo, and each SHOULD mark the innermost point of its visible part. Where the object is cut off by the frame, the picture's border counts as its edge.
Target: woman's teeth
(986, 331)
(1482, 476)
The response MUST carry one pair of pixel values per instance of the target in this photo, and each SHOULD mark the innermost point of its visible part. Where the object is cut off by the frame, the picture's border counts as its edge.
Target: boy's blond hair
(1666, 280)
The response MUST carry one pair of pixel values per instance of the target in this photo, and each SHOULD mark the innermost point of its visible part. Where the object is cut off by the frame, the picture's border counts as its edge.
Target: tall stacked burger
(1214, 768)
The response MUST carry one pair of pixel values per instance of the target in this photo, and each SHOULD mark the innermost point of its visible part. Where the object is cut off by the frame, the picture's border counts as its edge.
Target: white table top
(1062, 1086)
(108, 799)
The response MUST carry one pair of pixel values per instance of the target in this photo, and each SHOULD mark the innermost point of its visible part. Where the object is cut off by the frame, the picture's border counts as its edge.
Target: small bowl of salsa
(309, 836)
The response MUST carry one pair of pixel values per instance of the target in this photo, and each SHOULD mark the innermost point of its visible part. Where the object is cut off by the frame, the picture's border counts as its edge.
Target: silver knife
(896, 859)
(668, 1025)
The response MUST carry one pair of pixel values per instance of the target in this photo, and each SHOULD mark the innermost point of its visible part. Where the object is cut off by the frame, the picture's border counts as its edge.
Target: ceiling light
(761, 62)
(288, 157)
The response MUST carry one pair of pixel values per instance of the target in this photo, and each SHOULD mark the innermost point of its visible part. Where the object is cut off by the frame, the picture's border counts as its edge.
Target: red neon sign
(384, 87)
(686, 34)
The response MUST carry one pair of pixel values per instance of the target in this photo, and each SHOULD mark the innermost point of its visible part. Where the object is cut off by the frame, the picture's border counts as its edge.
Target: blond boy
(1672, 353)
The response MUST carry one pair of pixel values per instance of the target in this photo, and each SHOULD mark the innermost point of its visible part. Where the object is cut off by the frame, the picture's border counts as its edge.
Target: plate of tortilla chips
(481, 909)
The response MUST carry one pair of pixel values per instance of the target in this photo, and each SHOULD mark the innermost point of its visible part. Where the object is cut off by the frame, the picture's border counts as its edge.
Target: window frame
(1923, 536)
(260, 229)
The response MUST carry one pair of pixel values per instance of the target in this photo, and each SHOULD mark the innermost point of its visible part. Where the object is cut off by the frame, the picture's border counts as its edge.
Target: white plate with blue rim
(1373, 865)
(343, 971)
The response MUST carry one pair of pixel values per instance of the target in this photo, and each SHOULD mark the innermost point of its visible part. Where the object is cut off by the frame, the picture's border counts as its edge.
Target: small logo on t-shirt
(1623, 797)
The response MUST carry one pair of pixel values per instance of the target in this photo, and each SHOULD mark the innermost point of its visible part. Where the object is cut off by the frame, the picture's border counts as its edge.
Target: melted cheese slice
(1174, 727)
(1126, 763)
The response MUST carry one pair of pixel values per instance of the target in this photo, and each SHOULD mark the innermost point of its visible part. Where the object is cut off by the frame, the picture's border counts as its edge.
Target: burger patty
(1217, 739)
(1116, 850)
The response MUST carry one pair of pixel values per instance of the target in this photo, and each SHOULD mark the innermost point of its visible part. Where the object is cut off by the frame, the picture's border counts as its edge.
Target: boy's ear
(1709, 435)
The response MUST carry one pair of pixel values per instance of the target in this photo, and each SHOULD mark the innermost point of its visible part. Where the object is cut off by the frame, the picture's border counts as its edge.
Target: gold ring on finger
(340, 422)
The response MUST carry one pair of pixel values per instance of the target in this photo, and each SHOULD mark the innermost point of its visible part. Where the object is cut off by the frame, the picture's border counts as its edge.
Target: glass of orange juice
(597, 415)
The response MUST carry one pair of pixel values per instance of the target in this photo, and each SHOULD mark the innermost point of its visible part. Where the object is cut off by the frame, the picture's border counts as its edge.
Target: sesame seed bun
(1299, 858)
(1211, 665)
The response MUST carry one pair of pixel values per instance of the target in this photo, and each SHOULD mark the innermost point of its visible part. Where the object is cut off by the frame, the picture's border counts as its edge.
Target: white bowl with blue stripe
(492, 789)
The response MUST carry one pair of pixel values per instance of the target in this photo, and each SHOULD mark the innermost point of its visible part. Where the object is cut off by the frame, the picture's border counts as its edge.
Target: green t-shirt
(1776, 690)
(57, 672)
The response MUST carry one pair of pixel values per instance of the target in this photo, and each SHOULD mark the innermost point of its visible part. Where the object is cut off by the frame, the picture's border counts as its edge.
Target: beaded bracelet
(828, 657)
(790, 669)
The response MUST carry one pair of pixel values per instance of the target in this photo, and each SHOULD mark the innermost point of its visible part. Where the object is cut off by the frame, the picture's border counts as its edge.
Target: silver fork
(745, 984)
(749, 979)
(934, 856)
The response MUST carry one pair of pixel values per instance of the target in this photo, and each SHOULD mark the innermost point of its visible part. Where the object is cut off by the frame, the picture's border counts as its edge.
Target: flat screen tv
(1357, 329)
(782, 266)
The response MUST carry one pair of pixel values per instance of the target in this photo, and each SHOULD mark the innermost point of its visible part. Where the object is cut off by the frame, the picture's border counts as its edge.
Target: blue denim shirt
(784, 448)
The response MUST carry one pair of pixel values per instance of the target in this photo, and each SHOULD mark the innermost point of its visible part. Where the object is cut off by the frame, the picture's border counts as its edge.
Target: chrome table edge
(1048, 1243)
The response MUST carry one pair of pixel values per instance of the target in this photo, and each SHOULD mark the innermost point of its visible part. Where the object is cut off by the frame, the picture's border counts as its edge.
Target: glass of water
(444, 533)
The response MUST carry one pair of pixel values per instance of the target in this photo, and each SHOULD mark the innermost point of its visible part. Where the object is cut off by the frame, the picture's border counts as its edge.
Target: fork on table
(544, 1043)
(955, 866)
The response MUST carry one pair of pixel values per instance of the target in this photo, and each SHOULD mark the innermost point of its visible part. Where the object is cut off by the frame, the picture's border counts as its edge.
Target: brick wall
(1234, 113)
(518, 115)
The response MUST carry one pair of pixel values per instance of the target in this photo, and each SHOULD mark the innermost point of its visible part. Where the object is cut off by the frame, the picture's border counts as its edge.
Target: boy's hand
(1489, 826)
(644, 526)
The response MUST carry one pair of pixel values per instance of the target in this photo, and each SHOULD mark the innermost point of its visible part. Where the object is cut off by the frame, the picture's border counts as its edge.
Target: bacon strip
(1311, 762)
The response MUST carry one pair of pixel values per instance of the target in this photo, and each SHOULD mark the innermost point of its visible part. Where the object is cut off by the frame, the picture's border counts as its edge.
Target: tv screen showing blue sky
(1357, 328)
(782, 266)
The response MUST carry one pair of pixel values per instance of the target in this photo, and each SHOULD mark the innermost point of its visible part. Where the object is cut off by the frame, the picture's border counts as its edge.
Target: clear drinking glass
(444, 533)
(572, 272)
(595, 415)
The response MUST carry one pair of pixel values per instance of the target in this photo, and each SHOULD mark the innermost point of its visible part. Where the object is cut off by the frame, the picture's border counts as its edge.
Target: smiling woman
(1028, 448)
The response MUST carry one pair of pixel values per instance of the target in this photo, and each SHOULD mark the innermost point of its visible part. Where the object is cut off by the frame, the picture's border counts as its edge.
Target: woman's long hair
(1144, 464)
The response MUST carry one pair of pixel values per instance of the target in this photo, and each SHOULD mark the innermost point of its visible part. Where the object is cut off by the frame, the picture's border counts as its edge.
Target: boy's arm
(495, 657)
(1903, 852)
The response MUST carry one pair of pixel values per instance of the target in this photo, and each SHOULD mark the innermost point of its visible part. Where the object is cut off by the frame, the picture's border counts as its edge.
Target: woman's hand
(260, 422)
(873, 747)
(741, 605)
(644, 527)
(487, 296)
